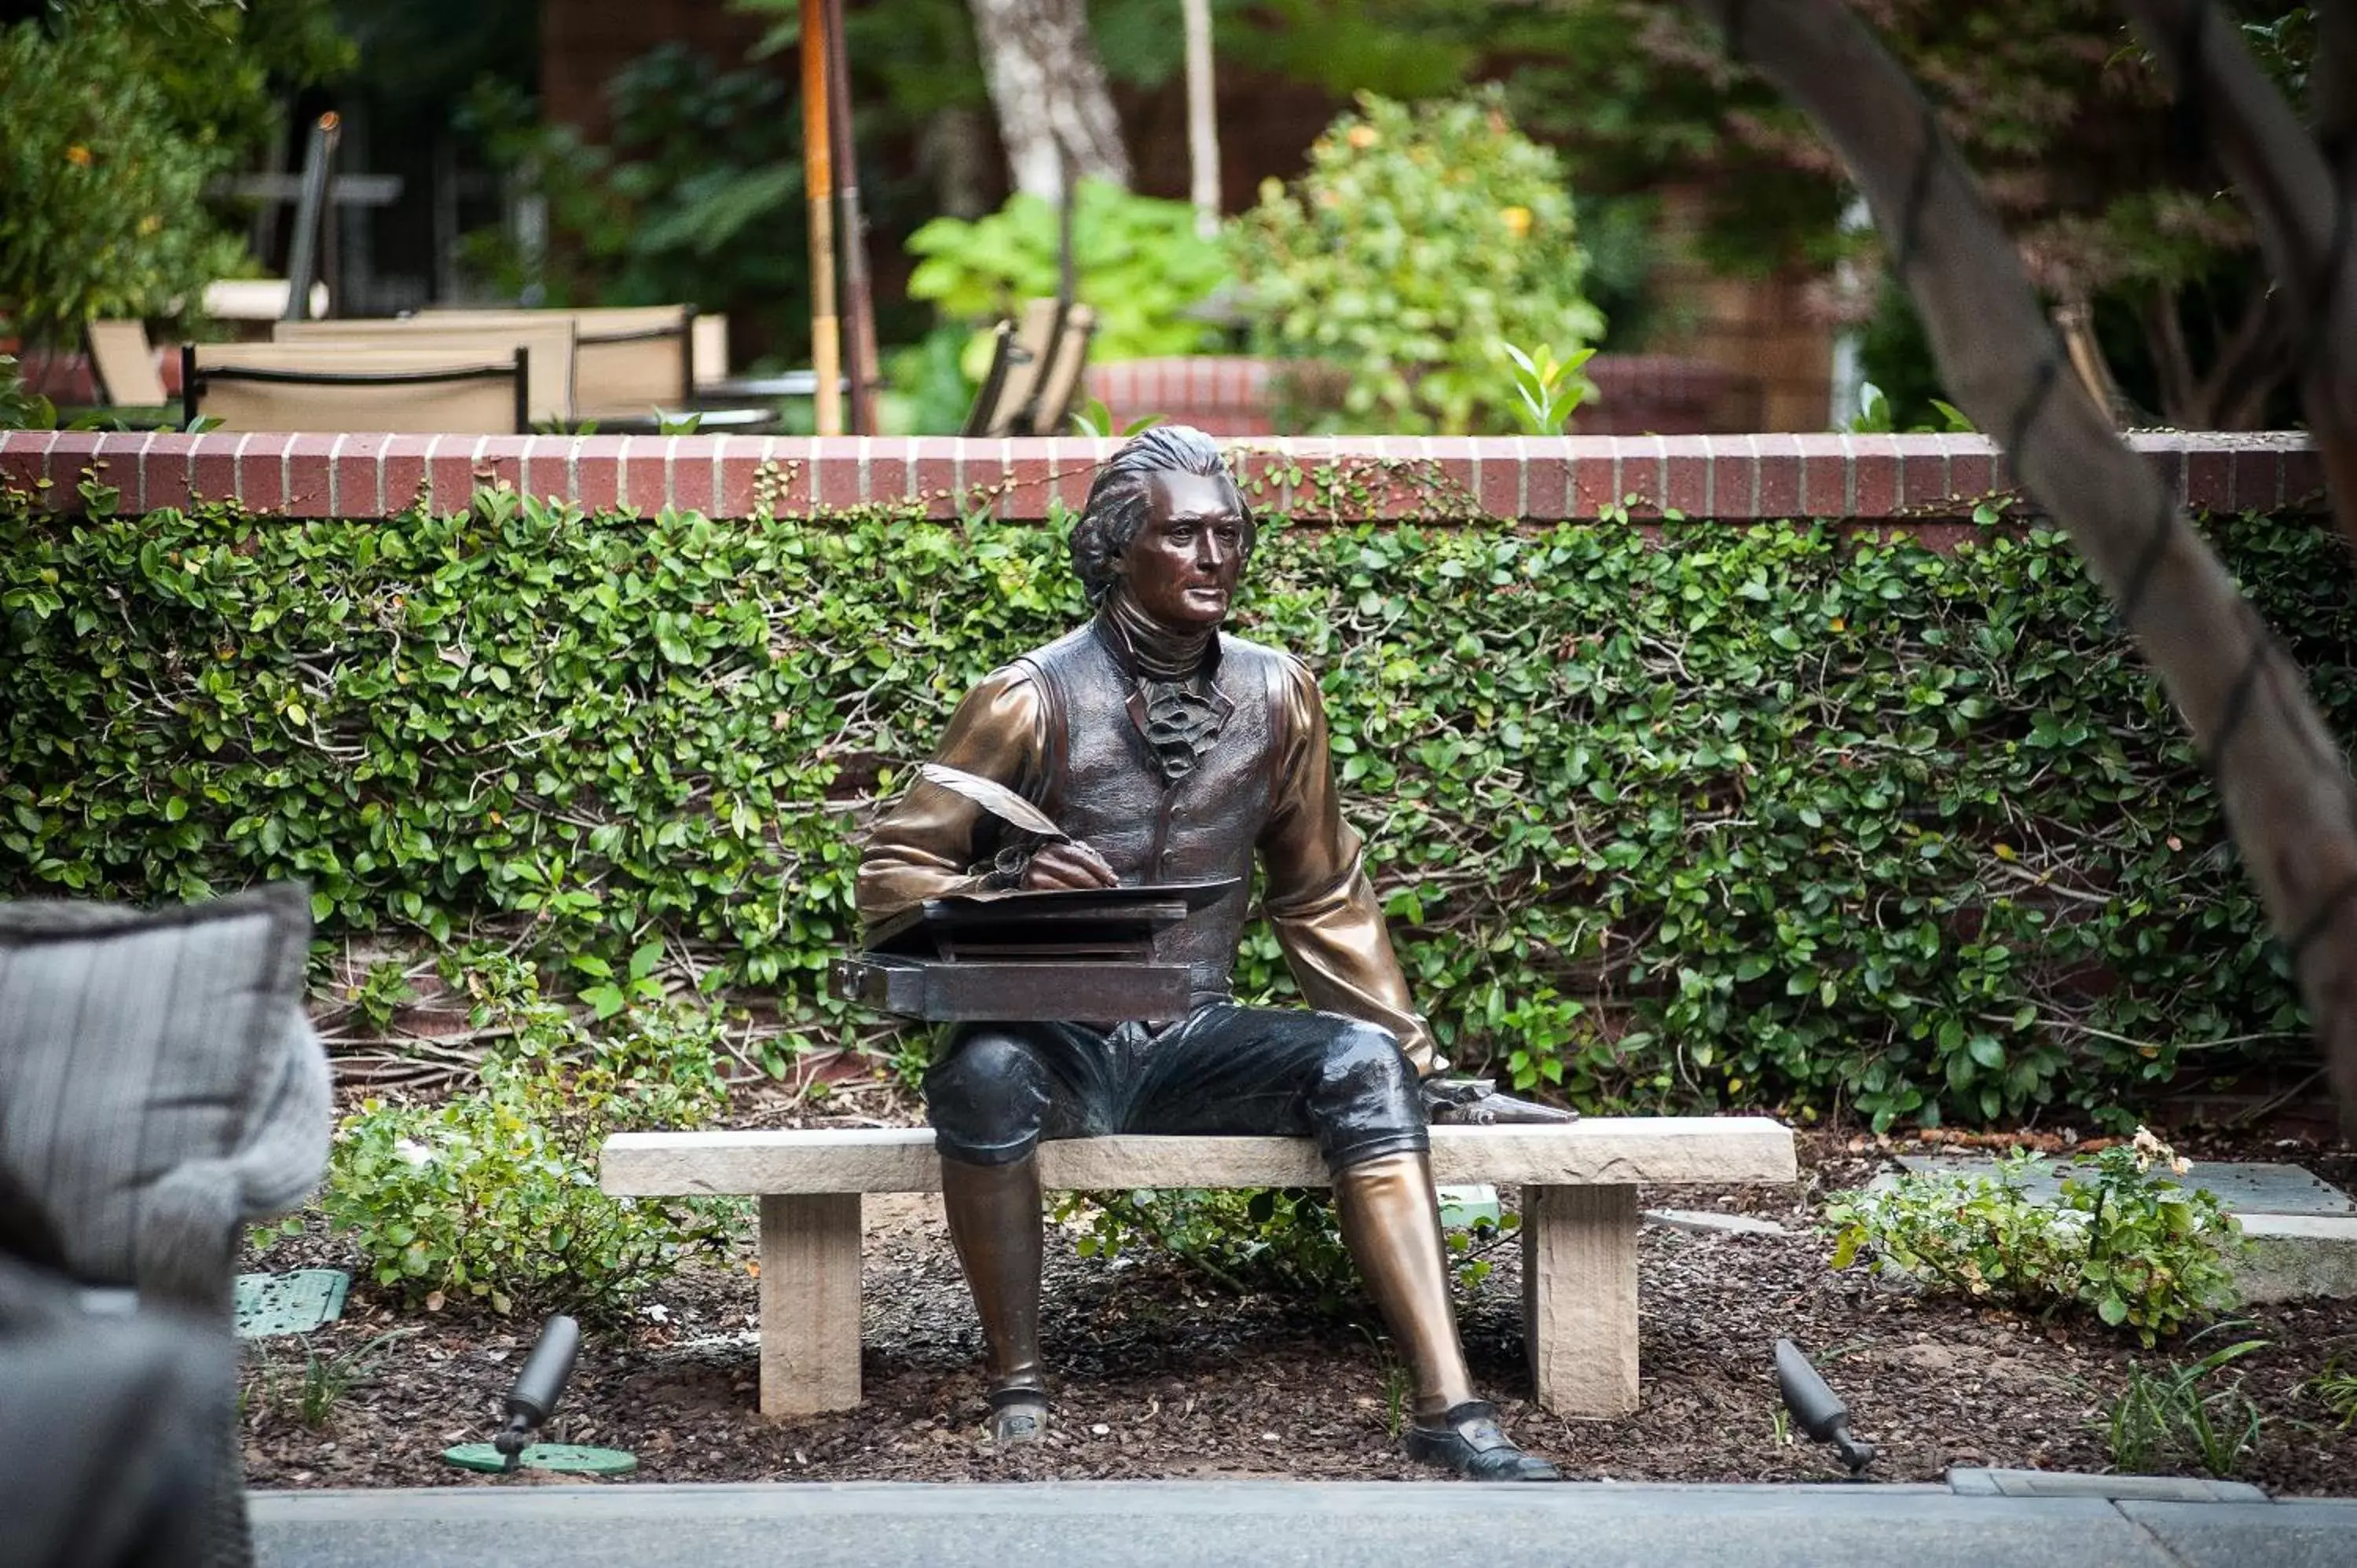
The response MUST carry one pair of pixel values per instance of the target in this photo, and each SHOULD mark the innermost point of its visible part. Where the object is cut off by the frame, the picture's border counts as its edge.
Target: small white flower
(414, 1151)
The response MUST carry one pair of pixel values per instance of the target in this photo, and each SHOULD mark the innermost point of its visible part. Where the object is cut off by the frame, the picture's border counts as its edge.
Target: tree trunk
(1203, 119)
(954, 150)
(2280, 775)
(1049, 91)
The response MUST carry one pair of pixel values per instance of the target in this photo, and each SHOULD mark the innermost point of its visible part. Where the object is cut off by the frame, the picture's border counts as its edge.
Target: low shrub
(2124, 1240)
(492, 1196)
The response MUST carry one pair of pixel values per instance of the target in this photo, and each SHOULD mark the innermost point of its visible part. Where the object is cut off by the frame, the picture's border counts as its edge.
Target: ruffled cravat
(1181, 722)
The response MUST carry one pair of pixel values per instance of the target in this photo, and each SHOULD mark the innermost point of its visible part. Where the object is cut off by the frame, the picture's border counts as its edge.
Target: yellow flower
(1517, 218)
(78, 156)
(150, 224)
(1364, 137)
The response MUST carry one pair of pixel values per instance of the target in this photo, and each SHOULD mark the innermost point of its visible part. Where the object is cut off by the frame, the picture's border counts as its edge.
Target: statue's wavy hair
(1119, 498)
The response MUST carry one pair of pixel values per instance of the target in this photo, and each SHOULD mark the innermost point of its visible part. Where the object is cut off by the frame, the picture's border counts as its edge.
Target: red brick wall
(1931, 483)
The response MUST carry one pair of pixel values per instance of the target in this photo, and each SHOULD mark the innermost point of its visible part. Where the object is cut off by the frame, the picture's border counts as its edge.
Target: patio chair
(548, 396)
(1059, 382)
(327, 387)
(111, 1422)
(628, 360)
(161, 1089)
(709, 337)
(1003, 406)
(123, 370)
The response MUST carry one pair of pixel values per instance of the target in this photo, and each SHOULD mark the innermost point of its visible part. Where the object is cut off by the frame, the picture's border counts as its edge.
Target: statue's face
(1182, 567)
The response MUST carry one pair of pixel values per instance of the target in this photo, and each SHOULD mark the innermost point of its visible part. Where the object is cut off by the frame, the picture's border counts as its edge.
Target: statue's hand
(1476, 1102)
(1068, 863)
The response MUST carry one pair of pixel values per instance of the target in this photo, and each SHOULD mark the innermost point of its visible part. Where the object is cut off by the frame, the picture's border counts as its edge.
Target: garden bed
(1160, 1377)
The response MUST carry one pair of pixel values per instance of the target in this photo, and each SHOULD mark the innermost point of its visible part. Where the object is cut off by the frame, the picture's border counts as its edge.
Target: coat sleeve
(930, 841)
(1317, 896)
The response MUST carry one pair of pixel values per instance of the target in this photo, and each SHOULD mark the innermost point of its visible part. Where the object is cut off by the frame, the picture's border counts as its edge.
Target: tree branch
(2250, 363)
(2298, 201)
(2285, 789)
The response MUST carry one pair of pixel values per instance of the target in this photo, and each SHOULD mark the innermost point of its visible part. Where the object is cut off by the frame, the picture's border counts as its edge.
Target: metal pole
(1067, 198)
(859, 359)
(302, 261)
(818, 172)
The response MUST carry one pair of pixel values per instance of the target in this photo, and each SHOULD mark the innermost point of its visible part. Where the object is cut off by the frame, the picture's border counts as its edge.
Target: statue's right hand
(1067, 864)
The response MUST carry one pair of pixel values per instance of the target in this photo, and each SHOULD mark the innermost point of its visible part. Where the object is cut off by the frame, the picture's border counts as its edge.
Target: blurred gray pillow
(160, 1081)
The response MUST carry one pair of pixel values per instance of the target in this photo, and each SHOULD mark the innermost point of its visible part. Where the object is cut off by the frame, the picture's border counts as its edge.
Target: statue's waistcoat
(1104, 785)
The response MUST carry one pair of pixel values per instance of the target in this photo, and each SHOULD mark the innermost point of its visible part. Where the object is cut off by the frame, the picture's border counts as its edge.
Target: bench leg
(1579, 1297)
(810, 1304)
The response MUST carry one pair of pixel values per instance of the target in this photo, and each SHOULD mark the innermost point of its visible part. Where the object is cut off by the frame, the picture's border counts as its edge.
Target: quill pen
(996, 799)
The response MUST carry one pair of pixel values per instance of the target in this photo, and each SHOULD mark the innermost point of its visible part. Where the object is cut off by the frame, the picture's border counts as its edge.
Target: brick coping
(1858, 478)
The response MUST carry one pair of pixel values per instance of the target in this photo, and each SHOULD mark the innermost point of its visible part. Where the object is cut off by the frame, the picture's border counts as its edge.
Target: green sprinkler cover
(565, 1459)
(293, 1303)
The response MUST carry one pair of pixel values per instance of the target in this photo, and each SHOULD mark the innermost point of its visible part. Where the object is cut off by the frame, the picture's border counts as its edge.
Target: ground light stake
(530, 1401)
(1817, 1409)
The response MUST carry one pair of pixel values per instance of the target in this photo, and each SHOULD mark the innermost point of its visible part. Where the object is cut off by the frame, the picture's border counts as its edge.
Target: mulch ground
(1159, 1376)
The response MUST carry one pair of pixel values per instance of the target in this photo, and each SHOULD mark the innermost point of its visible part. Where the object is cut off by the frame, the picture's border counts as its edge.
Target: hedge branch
(2286, 792)
(2298, 203)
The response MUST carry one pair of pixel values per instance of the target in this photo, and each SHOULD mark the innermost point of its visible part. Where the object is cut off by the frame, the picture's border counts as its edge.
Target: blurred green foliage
(1136, 260)
(1422, 239)
(113, 120)
(684, 202)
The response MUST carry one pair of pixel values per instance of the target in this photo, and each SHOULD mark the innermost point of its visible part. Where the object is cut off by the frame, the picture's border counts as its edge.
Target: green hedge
(1758, 816)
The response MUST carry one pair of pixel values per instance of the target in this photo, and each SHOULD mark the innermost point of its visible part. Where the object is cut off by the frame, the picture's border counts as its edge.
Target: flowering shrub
(2125, 1240)
(101, 195)
(1422, 239)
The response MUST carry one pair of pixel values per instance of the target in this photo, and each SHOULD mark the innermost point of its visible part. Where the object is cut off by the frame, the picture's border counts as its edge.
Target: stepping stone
(2289, 1257)
(2243, 1187)
(1716, 1223)
(1468, 1205)
(293, 1303)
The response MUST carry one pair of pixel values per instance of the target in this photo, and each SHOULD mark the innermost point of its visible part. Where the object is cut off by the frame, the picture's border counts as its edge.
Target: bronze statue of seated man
(1169, 752)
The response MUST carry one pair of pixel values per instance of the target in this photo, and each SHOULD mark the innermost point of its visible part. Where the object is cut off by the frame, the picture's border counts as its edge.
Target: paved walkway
(1279, 1525)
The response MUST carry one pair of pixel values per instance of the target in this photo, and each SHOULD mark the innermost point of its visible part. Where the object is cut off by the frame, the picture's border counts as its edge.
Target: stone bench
(1578, 1227)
